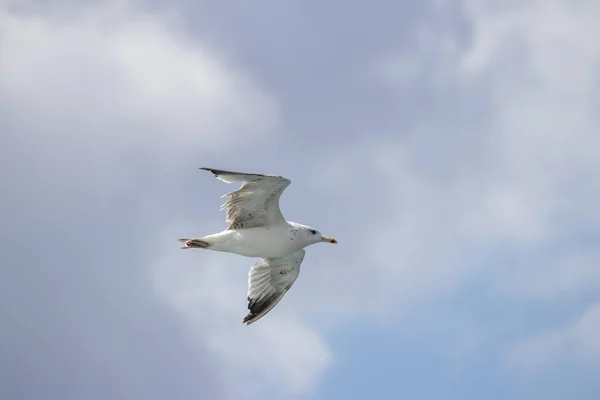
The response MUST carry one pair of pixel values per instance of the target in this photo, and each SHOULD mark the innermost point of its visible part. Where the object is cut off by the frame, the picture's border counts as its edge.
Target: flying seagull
(257, 229)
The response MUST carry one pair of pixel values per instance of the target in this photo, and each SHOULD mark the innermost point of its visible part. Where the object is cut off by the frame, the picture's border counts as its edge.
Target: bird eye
(313, 231)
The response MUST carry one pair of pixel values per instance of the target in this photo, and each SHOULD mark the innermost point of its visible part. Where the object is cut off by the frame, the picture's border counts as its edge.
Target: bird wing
(268, 281)
(256, 202)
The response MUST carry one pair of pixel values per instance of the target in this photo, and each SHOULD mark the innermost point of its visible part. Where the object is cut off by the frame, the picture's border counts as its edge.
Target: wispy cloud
(92, 101)
(575, 342)
(458, 169)
(503, 162)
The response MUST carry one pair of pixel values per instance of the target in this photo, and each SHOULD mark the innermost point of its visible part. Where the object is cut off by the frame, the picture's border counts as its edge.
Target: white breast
(260, 242)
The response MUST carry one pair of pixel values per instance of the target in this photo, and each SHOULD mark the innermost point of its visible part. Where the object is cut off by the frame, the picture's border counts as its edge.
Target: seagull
(258, 229)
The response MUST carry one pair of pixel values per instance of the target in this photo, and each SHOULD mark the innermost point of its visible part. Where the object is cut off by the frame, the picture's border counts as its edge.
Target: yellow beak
(329, 240)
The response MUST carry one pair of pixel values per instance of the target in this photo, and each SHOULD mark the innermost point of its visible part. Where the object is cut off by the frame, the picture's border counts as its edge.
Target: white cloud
(508, 158)
(124, 82)
(113, 87)
(96, 95)
(94, 98)
(545, 124)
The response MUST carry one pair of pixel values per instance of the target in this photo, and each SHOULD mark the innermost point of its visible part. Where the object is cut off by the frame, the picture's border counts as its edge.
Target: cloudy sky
(452, 147)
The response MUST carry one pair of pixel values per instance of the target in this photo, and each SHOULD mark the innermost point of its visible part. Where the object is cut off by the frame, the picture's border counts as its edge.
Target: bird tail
(194, 243)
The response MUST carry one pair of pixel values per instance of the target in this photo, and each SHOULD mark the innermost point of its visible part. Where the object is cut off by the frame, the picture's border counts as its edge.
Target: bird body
(267, 242)
(257, 229)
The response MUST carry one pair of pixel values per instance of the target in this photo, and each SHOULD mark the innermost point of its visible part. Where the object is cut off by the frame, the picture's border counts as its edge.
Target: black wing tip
(216, 172)
(259, 307)
(249, 319)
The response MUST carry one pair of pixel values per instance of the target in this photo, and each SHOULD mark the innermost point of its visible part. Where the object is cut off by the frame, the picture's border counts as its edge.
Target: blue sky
(450, 146)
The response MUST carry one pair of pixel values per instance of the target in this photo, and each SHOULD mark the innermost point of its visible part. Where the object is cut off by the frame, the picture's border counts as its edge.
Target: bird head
(311, 235)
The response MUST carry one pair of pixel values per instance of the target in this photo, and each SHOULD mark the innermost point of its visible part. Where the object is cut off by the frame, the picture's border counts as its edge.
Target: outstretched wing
(268, 281)
(256, 202)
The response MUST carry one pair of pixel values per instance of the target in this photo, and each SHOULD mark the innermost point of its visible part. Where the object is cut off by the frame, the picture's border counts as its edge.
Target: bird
(257, 228)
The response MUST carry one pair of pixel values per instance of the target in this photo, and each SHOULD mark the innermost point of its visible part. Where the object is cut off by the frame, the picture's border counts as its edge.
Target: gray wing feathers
(256, 202)
(268, 281)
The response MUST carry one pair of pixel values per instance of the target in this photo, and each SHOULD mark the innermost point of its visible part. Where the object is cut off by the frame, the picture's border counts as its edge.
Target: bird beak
(329, 240)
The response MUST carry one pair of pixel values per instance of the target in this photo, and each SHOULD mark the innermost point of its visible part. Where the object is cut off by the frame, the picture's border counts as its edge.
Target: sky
(450, 146)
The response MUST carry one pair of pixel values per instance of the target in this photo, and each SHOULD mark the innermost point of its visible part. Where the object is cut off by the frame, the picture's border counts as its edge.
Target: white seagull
(257, 229)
